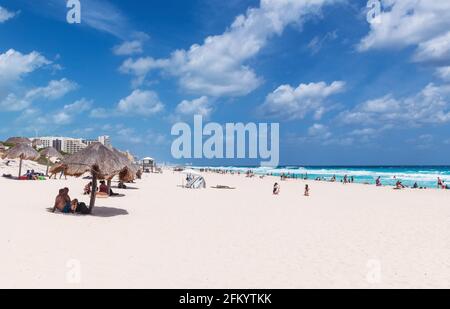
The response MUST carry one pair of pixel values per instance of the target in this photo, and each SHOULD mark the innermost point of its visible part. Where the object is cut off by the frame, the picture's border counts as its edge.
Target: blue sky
(344, 91)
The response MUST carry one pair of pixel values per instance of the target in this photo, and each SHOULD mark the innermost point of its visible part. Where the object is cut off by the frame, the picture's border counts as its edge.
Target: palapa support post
(20, 166)
(93, 191)
(48, 164)
(109, 186)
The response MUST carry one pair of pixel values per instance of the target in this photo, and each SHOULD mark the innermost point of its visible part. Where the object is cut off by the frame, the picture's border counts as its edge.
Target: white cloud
(104, 16)
(56, 89)
(444, 73)
(140, 103)
(366, 132)
(69, 112)
(319, 131)
(13, 103)
(295, 103)
(435, 50)
(14, 65)
(317, 43)
(200, 106)
(218, 66)
(34, 119)
(429, 106)
(5, 15)
(408, 22)
(140, 68)
(100, 113)
(422, 24)
(128, 48)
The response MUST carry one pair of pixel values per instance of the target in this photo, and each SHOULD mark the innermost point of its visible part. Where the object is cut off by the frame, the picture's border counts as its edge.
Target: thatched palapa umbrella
(50, 152)
(2, 148)
(97, 159)
(18, 140)
(128, 173)
(22, 152)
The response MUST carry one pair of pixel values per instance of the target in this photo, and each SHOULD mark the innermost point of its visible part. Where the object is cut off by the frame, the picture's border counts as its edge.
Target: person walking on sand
(307, 190)
(276, 189)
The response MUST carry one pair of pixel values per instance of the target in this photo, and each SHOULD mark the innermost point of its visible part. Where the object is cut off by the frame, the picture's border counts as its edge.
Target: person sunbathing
(88, 188)
(62, 202)
(79, 208)
(104, 189)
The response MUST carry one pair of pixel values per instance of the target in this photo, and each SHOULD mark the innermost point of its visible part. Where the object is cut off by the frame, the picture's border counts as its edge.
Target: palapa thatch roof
(18, 140)
(2, 147)
(128, 173)
(51, 152)
(96, 158)
(21, 151)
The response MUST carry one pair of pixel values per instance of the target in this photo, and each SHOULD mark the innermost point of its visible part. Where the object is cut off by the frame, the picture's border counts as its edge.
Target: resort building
(105, 140)
(73, 145)
(70, 145)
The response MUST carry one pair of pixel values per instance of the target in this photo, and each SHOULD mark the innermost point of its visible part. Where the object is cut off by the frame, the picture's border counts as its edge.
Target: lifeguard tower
(148, 165)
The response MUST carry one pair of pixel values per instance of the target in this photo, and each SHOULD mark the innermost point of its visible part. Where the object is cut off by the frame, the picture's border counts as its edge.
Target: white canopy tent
(194, 180)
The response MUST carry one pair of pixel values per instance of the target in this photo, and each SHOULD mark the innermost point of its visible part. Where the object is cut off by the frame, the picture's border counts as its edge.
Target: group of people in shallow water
(398, 185)
(66, 205)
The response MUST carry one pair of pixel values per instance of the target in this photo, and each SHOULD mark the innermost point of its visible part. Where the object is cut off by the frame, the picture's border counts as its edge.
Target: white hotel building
(70, 145)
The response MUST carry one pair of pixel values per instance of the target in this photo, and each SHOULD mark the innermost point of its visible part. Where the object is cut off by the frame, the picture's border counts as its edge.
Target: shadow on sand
(117, 195)
(128, 188)
(108, 212)
(101, 212)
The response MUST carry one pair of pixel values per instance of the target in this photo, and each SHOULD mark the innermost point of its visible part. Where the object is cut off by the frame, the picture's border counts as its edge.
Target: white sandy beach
(163, 236)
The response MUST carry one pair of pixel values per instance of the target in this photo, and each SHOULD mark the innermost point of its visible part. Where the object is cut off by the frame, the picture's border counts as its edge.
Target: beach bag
(82, 209)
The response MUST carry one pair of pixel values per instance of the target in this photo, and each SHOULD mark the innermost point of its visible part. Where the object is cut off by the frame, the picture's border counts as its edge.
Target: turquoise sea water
(425, 176)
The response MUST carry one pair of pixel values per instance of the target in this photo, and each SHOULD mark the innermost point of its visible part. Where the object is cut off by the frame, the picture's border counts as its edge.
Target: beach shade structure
(195, 180)
(191, 172)
(48, 153)
(18, 140)
(129, 172)
(97, 159)
(22, 152)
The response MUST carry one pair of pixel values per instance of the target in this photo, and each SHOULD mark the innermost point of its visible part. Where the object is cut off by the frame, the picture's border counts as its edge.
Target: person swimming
(399, 185)
(378, 182)
(440, 183)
